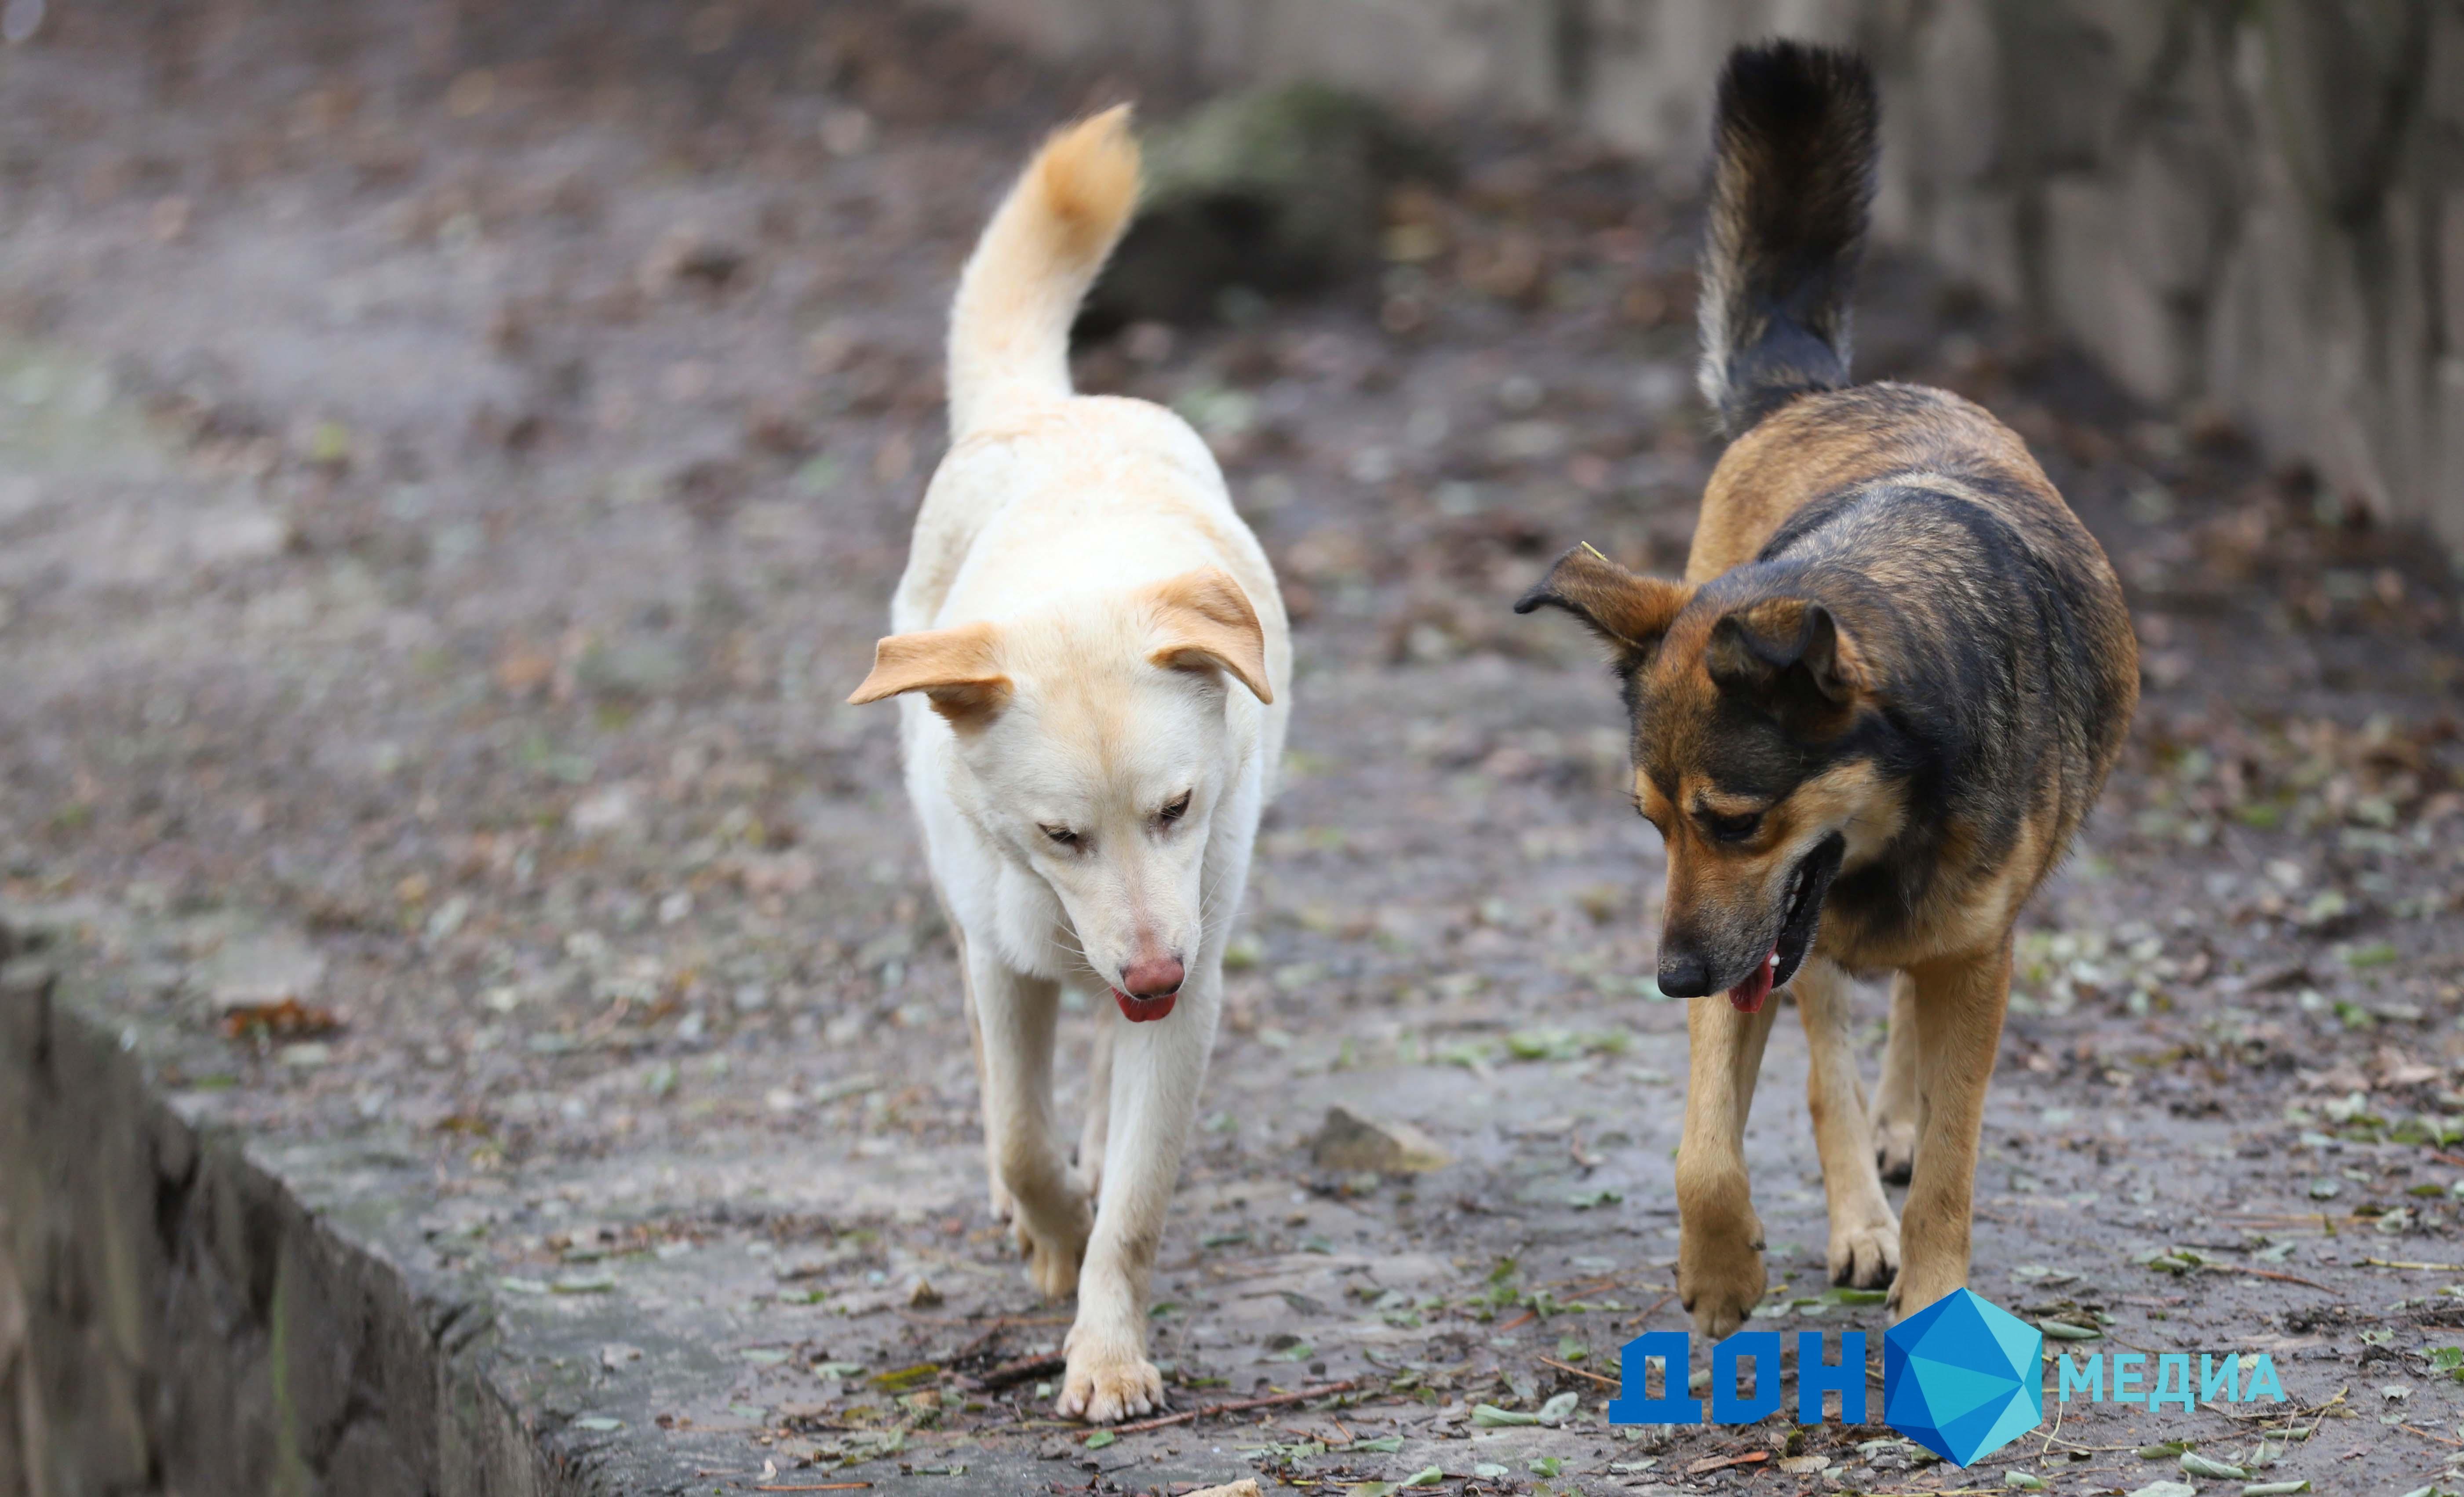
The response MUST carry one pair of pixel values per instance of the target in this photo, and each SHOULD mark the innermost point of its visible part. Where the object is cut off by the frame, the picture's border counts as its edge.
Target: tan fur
(1009, 329)
(1864, 1246)
(1205, 620)
(1632, 612)
(1899, 1111)
(1821, 444)
(957, 667)
(1959, 1002)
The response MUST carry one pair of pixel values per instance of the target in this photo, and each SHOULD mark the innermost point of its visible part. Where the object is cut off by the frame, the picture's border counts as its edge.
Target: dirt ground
(453, 462)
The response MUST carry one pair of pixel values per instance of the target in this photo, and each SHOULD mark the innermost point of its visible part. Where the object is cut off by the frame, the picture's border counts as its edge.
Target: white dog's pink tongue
(1147, 1010)
(1747, 995)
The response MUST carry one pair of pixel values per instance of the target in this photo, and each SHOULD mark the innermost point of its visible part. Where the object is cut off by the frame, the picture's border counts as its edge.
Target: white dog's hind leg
(1099, 1100)
(997, 1194)
(1018, 1014)
(1157, 1070)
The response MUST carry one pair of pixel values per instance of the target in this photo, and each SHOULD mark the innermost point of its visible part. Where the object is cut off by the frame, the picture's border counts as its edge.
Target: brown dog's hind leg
(1960, 1003)
(1719, 1238)
(1899, 1105)
(1864, 1249)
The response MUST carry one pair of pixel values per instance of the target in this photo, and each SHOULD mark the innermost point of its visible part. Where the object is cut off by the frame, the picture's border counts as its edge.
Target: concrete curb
(206, 1311)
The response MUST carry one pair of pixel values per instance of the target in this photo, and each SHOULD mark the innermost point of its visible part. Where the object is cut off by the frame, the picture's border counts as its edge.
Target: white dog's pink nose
(1152, 977)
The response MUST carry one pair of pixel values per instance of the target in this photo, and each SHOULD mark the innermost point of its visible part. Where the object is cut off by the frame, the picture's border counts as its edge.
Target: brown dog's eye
(1059, 834)
(1176, 810)
(1731, 828)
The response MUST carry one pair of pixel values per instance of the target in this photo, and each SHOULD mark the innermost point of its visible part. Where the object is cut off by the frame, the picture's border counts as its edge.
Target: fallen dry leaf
(287, 1018)
(1723, 1463)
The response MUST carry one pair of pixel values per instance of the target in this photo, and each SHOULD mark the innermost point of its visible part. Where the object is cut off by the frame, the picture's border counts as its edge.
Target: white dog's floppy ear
(1204, 620)
(957, 667)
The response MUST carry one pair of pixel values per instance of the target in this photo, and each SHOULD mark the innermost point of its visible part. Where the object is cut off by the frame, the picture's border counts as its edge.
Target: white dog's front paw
(1107, 1385)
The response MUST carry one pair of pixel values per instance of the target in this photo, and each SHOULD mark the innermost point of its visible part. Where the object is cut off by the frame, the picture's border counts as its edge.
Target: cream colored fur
(1085, 630)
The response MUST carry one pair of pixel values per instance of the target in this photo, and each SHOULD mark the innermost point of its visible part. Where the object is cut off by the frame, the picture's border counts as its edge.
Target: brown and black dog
(1868, 721)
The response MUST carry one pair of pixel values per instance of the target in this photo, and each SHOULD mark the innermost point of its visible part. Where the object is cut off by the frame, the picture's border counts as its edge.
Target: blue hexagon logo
(1963, 1376)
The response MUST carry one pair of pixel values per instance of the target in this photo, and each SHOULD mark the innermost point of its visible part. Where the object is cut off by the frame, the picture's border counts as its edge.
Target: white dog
(1096, 668)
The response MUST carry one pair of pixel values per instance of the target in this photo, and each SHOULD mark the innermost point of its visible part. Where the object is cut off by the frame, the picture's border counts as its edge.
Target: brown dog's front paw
(1721, 1298)
(1912, 1292)
(1865, 1255)
(1105, 1385)
(1720, 1282)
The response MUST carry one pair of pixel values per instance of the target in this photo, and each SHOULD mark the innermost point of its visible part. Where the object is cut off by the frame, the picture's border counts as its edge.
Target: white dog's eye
(1059, 834)
(1176, 810)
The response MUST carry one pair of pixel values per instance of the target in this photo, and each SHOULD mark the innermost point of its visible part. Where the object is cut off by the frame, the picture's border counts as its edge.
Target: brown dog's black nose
(1684, 975)
(1152, 977)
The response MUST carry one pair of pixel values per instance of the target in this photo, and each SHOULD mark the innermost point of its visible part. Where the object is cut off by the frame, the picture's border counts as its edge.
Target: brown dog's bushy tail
(1794, 141)
(1009, 328)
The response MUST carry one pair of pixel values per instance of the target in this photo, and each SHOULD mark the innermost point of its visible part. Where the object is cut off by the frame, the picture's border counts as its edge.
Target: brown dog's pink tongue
(1147, 1010)
(1747, 995)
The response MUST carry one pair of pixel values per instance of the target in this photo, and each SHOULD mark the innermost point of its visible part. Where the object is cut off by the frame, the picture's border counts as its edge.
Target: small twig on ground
(2051, 1435)
(1653, 1308)
(1528, 1314)
(2281, 1414)
(2417, 1268)
(1551, 1361)
(1594, 1286)
(1710, 1464)
(2415, 1429)
(1023, 1369)
(2266, 1273)
(983, 1343)
(825, 1487)
(1236, 1407)
(601, 1027)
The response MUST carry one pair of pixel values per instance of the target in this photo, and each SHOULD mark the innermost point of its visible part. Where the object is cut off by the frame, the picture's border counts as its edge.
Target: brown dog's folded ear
(1622, 608)
(958, 667)
(1204, 621)
(1758, 647)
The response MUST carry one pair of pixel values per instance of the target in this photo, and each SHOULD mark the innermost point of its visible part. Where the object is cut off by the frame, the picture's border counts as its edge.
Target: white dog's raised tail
(1009, 329)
